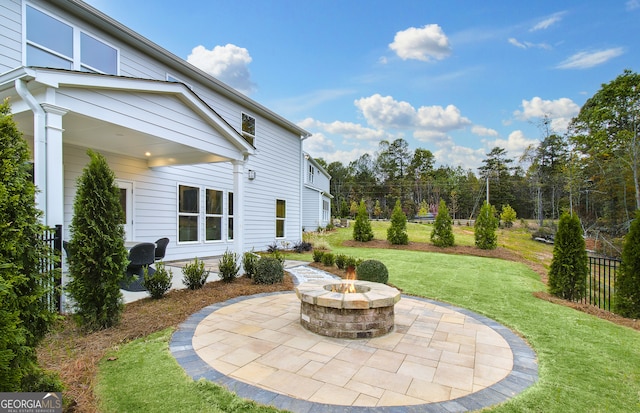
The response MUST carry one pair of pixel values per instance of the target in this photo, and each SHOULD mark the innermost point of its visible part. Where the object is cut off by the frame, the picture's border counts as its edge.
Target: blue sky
(455, 77)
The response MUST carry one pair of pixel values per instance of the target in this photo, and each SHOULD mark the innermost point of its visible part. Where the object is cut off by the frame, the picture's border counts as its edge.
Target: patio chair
(140, 256)
(161, 248)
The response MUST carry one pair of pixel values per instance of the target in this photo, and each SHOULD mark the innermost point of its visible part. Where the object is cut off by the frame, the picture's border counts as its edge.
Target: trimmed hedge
(372, 270)
(269, 271)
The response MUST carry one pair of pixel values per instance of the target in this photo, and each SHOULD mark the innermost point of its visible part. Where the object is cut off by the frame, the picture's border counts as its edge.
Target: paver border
(523, 374)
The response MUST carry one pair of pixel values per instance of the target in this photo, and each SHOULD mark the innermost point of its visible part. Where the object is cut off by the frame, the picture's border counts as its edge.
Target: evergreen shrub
(98, 257)
(485, 228)
(627, 296)
(317, 255)
(249, 263)
(229, 266)
(158, 283)
(397, 232)
(442, 233)
(372, 270)
(570, 264)
(24, 315)
(362, 228)
(194, 274)
(269, 271)
(341, 261)
(328, 259)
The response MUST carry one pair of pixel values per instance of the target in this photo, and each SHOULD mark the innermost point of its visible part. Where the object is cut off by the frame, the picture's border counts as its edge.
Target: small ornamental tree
(570, 265)
(362, 228)
(508, 216)
(24, 315)
(485, 228)
(627, 296)
(353, 208)
(397, 232)
(97, 255)
(442, 234)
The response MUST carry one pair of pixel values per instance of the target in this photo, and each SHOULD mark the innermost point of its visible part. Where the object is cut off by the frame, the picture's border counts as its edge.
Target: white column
(238, 207)
(54, 165)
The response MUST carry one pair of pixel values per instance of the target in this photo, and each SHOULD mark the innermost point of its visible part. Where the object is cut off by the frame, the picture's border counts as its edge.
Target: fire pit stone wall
(365, 313)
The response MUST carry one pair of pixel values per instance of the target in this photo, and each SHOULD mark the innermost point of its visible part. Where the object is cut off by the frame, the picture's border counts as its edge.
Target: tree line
(592, 170)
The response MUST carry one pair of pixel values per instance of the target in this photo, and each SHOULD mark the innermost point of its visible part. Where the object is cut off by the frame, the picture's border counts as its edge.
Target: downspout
(39, 145)
(302, 175)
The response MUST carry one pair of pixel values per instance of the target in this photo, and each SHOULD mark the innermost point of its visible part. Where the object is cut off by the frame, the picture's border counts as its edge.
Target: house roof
(100, 20)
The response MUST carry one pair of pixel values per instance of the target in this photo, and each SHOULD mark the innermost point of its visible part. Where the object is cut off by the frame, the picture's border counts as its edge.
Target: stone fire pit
(366, 312)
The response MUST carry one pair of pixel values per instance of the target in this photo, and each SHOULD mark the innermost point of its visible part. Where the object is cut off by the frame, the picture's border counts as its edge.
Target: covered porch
(153, 134)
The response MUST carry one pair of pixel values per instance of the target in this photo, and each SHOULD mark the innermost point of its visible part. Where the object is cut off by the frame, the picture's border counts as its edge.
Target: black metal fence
(601, 282)
(51, 268)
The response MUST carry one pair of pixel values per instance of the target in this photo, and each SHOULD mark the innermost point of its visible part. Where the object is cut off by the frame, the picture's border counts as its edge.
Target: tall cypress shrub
(570, 264)
(397, 232)
(627, 295)
(362, 228)
(24, 314)
(442, 234)
(97, 255)
(485, 228)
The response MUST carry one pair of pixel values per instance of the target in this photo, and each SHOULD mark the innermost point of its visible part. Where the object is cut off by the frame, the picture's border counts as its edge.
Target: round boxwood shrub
(372, 270)
(268, 271)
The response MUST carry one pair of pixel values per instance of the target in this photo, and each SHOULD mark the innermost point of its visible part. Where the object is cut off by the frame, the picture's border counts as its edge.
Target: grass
(586, 364)
(144, 377)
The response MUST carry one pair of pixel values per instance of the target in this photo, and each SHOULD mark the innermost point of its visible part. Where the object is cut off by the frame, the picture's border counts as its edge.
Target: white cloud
(385, 112)
(528, 45)
(515, 144)
(463, 156)
(228, 64)
(585, 60)
(346, 130)
(425, 43)
(516, 43)
(547, 22)
(633, 4)
(320, 146)
(482, 131)
(560, 111)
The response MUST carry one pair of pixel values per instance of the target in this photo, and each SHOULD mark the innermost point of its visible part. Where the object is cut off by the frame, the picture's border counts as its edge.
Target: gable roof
(102, 21)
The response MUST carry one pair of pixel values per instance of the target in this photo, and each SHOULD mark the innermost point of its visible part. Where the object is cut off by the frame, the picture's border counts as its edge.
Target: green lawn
(585, 364)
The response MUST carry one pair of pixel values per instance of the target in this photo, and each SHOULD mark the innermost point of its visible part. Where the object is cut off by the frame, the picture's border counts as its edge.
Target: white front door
(126, 201)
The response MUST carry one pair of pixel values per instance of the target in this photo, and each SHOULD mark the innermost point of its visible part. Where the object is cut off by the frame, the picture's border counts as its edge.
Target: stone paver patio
(438, 358)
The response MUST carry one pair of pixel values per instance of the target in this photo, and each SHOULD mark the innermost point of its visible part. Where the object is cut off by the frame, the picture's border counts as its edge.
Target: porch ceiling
(83, 131)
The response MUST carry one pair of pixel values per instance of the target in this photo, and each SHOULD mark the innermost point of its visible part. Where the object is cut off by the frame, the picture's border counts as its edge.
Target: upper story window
(50, 43)
(312, 172)
(249, 128)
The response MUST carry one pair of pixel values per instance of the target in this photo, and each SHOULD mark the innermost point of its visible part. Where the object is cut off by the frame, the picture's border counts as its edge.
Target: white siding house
(197, 162)
(316, 199)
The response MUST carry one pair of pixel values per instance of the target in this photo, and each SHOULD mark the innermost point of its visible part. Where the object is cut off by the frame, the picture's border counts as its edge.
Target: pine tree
(362, 228)
(485, 228)
(98, 258)
(570, 265)
(24, 315)
(442, 234)
(397, 232)
(627, 301)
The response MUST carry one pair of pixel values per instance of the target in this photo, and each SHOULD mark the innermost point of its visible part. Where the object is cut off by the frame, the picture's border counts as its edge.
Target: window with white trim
(281, 215)
(188, 213)
(213, 215)
(50, 43)
(249, 128)
(230, 216)
(311, 174)
(325, 210)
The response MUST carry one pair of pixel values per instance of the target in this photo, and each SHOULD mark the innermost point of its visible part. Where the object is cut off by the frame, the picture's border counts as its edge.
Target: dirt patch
(75, 354)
